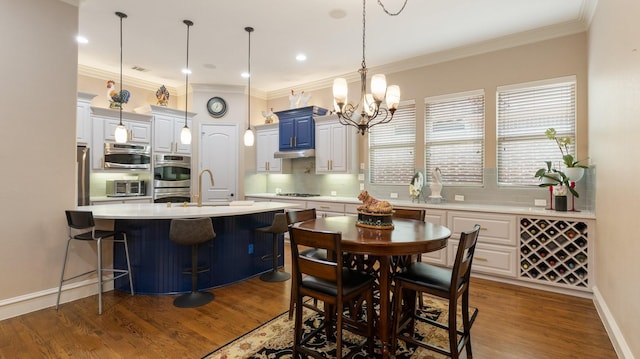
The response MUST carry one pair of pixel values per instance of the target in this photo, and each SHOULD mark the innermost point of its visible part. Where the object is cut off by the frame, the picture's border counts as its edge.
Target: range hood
(295, 154)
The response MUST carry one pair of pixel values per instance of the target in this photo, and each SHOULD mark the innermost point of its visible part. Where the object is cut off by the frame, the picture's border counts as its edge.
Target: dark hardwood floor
(514, 322)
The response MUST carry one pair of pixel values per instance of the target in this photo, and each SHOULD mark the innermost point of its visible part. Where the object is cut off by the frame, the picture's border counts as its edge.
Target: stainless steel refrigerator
(82, 158)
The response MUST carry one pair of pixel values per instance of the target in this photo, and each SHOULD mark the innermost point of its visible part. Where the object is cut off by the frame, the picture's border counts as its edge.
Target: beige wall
(547, 59)
(38, 70)
(614, 126)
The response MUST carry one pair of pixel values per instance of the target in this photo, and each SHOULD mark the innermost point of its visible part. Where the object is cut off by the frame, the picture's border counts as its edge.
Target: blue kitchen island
(158, 263)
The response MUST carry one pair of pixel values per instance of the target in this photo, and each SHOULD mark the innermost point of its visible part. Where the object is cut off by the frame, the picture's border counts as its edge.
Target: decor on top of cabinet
(163, 96)
(374, 213)
(116, 98)
(269, 116)
(298, 100)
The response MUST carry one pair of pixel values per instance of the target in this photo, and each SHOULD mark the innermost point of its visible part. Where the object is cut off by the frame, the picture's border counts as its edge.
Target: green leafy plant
(563, 144)
(555, 178)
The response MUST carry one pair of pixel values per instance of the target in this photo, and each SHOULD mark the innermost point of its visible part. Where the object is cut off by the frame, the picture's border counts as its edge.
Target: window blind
(454, 137)
(392, 147)
(524, 113)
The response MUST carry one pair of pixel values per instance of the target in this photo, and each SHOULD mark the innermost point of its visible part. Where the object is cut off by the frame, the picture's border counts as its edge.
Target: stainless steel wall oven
(127, 156)
(171, 178)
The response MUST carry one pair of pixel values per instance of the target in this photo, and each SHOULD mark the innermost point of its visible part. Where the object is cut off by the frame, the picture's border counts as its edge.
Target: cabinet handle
(481, 259)
(484, 228)
(329, 164)
(267, 165)
(290, 141)
(295, 141)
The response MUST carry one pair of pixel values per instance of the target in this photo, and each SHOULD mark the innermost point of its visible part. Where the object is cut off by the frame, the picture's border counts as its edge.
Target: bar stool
(278, 226)
(192, 232)
(82, 227)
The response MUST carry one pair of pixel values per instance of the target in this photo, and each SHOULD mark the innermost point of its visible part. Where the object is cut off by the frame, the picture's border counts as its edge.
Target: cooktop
(298, 194)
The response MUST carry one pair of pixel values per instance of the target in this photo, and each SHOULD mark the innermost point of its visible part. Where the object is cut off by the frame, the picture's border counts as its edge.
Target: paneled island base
(158, 264)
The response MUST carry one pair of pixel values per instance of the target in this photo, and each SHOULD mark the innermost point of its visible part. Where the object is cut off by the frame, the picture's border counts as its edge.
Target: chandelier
(371, 111)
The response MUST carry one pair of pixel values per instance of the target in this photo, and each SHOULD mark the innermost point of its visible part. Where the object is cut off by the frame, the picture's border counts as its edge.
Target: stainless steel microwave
(125, 188)
(127, 156)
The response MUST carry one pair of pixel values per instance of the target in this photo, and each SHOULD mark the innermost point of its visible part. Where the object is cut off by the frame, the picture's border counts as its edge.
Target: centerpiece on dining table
(374, 213)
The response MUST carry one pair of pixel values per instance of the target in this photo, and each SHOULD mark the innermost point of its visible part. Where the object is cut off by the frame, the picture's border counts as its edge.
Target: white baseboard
(31, 302)
(611, 326)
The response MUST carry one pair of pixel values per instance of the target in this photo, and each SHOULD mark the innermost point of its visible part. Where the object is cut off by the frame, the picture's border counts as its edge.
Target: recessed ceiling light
(301, 57)
(245, 75)
(82, 40)
(186, 71)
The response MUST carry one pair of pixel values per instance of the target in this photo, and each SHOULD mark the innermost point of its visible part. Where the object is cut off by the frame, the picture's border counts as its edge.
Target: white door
(219, 153)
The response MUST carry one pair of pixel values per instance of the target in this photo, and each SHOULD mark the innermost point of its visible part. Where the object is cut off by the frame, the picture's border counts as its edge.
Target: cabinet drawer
(494, 228)
(351, 208)
(326, 206)
(488, 258)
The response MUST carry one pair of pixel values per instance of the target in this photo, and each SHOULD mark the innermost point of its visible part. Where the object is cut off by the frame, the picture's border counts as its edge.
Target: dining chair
(452, 284)
(337, 287)
(295, 216)
(82, 227)
(192, 232)
(415, 214)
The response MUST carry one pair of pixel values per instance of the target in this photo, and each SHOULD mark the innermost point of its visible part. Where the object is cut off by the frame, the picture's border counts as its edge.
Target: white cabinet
(137, 132)
(267, 142)
(105, 121)
(335, 146)
(438, 257)
(496, 252)
(83, 119)
(327, 209)
(167, 126)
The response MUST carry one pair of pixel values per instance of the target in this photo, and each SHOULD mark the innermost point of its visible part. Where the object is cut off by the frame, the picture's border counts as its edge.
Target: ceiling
(329, 32)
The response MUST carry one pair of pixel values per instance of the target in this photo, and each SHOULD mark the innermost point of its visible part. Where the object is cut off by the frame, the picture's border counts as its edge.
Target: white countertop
(460, 206)
(162, 211)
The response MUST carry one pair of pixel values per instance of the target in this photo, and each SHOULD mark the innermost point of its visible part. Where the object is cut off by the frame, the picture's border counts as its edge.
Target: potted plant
(573, 169)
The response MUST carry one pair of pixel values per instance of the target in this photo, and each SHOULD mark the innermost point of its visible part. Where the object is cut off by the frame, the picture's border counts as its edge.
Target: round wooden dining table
(384, 251)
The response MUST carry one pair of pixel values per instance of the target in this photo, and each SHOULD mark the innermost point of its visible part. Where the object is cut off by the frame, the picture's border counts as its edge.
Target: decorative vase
(561, 203)
(574, 173)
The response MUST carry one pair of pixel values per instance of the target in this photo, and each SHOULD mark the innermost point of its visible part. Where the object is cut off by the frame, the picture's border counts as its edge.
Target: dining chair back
(449, 284)
(295, 216)
(409, 213)
(337, 287)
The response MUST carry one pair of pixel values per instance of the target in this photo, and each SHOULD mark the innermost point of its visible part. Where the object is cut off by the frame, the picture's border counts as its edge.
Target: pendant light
(121, 131)
(248, 134)
(185, 135)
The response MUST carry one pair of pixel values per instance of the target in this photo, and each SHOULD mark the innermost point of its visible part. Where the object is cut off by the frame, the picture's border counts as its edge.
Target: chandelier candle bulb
(378, 87)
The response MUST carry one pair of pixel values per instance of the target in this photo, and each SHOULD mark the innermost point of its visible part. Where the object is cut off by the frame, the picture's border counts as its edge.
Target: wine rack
(554, 251)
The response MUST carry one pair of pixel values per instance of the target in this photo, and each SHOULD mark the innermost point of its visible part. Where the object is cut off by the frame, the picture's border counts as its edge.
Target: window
(392, 147)
(524, 113)
(454, 137)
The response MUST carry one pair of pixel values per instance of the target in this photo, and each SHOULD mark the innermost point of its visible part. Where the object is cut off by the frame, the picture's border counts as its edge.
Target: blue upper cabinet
(297, 128)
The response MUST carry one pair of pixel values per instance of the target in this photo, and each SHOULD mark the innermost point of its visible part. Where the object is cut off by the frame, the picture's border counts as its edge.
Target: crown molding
(501, 43)
(75, 3)
(133, 81)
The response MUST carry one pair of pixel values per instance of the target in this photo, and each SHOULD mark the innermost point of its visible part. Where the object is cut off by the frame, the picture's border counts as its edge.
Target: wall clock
(217, 107)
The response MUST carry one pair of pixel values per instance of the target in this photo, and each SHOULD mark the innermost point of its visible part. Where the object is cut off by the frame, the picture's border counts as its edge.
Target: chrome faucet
(199, 195)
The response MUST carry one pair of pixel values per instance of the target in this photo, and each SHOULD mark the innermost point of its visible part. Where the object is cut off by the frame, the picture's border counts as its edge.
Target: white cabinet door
(335, 146)
(137, 132)
(166, 134)
(439, 257)
(163, 129)
(266, 145)
(83, 119)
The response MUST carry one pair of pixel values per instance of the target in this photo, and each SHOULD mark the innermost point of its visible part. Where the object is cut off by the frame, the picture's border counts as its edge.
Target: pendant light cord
(249, 30)
(189, 23)
(121, 16)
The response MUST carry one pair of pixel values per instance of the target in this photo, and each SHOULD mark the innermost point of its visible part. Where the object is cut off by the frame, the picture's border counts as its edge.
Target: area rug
(274, 339)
